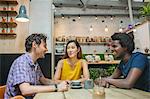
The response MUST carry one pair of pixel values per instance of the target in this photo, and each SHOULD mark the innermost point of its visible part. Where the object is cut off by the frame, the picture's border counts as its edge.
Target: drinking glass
(98, 92)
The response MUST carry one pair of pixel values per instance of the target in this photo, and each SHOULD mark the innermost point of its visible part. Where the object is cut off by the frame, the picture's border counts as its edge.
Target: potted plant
(11, 30)
(3, 30)
(97, 72)
(145, 11)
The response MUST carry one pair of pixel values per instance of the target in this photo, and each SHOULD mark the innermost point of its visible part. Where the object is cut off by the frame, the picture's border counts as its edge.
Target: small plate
(76, 87)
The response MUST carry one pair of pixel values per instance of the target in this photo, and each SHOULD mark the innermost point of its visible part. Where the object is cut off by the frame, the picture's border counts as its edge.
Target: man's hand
(102, 82)
(63, 86)
(96, 81)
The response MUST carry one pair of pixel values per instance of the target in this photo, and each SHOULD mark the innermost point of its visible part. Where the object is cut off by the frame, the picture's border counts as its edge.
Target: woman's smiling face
(72, 50)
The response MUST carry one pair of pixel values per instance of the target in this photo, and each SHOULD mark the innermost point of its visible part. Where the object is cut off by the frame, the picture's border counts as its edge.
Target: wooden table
(110, 93)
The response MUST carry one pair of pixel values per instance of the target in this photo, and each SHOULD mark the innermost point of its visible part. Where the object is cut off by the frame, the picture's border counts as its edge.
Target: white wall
(142, 36)
(40, 19)
(81, 27)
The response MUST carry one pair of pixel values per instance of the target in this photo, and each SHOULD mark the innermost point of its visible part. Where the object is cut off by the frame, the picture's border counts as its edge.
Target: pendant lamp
(22, 17)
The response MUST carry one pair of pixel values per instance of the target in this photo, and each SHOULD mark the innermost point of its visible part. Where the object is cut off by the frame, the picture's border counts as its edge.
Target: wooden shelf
(94, 43)
(59, 53)
(86, 43)
(15, 2)
(8, 12)
(8, 34)
(105, 62)
(61, 42)
(8, 24)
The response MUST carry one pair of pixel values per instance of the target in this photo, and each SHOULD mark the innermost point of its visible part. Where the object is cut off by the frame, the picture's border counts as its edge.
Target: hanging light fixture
(120, 29)
(106, 28)
(96, 17)
(79, 17)
(91, 28)
(134, 30)
(62, 16)
(22, 17)
(111, 17)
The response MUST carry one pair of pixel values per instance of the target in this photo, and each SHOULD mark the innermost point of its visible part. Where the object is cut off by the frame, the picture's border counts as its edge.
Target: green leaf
(145, 10)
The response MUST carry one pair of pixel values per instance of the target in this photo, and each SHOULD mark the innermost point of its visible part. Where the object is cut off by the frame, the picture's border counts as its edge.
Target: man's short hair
(125, 40)
(34, 38)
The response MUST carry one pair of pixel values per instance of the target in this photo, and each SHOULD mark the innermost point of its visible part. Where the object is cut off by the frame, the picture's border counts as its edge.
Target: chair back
(2, 91)
(17, 97)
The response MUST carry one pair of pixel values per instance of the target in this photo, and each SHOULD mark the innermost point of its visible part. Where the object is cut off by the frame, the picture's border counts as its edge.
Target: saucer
(76, 87)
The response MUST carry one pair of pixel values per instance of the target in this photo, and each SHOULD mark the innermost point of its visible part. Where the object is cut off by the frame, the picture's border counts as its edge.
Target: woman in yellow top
(71, 67)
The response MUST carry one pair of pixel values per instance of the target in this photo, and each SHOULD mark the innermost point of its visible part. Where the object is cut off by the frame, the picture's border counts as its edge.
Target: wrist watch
(56, 88)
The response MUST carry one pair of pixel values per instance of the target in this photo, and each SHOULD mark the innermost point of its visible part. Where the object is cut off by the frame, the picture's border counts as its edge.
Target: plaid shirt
(23, 70)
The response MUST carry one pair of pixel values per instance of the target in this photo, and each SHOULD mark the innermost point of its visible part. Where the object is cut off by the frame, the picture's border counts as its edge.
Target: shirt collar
(31, 63)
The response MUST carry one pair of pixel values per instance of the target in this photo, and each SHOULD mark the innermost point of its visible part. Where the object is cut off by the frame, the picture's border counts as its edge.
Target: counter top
(105, 62)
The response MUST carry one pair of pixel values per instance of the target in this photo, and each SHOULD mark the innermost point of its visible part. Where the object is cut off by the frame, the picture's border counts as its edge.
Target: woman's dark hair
(125, 40)
(79, 54)
(34, 37)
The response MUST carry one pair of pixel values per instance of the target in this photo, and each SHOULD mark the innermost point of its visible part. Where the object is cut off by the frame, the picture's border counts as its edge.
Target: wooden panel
(8, 34)
(8, 13)
(8, 24)
(9, 1)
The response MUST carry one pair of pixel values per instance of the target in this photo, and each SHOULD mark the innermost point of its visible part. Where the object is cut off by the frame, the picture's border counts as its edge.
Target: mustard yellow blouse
(69, 73)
